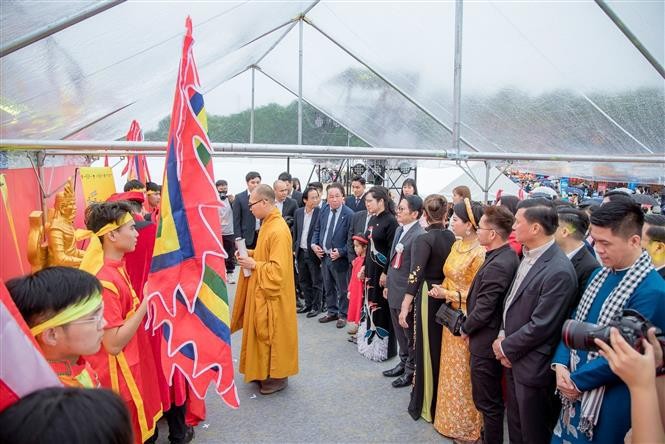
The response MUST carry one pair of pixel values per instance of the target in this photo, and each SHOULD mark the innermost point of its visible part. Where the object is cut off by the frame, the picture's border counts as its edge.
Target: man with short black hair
(653, 240)
(534, 311)
(134, 185)
(570, 236)
(245, 225)
(329, 244)
(226, 219)
(64, 309)
(292, 193)
(309, 264)
(481, 326)
(356, 201)
(596, 403)
(409, 211)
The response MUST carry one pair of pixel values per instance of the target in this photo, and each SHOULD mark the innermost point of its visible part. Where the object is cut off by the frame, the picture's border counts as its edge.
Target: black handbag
(450, 317)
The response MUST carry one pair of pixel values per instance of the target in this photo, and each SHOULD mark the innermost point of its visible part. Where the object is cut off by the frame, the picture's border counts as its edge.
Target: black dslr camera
(632, 326)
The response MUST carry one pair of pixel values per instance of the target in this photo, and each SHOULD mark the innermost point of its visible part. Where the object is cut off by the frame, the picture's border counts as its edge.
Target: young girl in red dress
(356, 285)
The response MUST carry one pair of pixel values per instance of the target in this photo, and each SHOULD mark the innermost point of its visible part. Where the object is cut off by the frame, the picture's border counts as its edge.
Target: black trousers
(310, 279)
(487, 396)
(228, 241)
(405, 341)
(530, 411)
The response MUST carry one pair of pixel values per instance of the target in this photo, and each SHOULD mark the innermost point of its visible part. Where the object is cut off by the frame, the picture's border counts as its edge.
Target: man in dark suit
(308, 263)
(358, 225)
(570, 236)
(329, 244)
(356, 200)
(292, 193)
(536, 306)
(409, 211)
(483, 321)
(245, 225)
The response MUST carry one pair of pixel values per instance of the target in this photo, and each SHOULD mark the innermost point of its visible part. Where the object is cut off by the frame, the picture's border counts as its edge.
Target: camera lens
(580, 335)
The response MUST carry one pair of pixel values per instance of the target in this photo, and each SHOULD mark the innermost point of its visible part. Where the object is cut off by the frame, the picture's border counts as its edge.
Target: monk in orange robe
(265, 306)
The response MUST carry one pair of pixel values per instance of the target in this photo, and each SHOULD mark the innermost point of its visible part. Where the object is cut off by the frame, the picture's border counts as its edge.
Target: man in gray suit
(409, 211)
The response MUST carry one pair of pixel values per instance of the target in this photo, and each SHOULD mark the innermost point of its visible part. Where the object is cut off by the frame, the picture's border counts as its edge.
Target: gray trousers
(405, 341)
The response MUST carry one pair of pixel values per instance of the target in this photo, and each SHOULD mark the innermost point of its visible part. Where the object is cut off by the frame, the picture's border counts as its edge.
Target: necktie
(330, 230)
(398, 234)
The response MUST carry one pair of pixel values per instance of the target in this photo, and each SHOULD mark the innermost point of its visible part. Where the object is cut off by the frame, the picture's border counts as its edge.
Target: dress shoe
(341, 323)
(304, 309)
(273, 385)
(313, 313)
(403, 381)
(328, 318)
(398, 370)
(353, 329)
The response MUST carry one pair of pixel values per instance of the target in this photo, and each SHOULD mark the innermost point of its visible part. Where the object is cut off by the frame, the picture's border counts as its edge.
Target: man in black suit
(309, 264)
(483, 321)
(356, 200)
(329, 244)
(245, 225)
(409, 211)
(570, 236)
(358, 225)
(534, 311)
(292, 193)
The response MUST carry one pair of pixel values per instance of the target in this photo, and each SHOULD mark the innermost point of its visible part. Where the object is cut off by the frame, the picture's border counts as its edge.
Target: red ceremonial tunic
(356, 291)
(131, 373)
(81, 374)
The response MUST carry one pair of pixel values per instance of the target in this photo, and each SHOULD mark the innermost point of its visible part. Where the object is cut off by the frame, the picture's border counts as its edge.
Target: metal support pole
(457, 80)
(58, 26)
(632, 37)
(300, 30)
(488, 167)
(251, 112)
(288, 164)
(396, 88)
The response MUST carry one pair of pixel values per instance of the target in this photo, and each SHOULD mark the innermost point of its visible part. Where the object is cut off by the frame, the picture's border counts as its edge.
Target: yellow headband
(469, 213)
(69, 314)
(93, 259)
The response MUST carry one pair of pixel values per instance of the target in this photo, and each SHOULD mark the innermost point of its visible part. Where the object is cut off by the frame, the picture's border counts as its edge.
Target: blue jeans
(335, 287)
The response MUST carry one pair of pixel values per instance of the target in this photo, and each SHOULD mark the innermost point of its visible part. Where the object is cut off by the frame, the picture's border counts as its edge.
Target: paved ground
(338, 396)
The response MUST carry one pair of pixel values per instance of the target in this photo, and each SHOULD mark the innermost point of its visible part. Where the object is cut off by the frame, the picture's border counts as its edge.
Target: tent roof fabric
(553, 77)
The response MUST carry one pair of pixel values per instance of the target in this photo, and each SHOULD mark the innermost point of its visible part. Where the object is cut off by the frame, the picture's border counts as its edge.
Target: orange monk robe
(265, 306)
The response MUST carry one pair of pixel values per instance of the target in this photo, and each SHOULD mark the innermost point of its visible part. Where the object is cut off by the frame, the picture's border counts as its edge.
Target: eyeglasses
(400, 209)
(254, 203)
(98, 318)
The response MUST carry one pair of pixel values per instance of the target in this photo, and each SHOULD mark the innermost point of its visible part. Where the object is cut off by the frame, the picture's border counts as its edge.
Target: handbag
(450, 317)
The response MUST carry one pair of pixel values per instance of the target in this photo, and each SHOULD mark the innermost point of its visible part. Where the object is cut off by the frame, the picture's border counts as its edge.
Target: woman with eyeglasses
(456, 415)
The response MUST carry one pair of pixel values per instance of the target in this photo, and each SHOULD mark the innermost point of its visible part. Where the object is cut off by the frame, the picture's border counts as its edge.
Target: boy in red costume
(126, 362)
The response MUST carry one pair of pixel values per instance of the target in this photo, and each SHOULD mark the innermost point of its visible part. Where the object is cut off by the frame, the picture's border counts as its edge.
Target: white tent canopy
(442, 180)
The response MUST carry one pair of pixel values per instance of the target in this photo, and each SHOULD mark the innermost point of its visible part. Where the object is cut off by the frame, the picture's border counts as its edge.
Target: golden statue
(60, 245)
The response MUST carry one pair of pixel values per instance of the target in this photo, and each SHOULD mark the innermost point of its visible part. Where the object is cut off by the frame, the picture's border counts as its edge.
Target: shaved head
(264, 191)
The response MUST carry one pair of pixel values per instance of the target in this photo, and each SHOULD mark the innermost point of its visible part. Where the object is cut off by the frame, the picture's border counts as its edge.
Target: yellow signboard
(98, 183)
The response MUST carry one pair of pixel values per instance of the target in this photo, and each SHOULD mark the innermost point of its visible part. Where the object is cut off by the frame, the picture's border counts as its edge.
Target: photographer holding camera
(646, 391)
(595, 400)
(226, 217)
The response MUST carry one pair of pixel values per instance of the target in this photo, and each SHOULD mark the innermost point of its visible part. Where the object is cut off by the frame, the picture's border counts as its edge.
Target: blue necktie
(330, 230)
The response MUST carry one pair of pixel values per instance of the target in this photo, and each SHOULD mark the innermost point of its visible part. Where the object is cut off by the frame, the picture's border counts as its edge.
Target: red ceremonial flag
(137, 165)
(186, 286)
(23, 368)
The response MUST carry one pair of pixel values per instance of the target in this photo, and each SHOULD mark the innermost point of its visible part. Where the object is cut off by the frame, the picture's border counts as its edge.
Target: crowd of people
(471, 297)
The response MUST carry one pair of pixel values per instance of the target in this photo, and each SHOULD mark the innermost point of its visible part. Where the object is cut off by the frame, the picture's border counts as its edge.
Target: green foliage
(273, 124)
